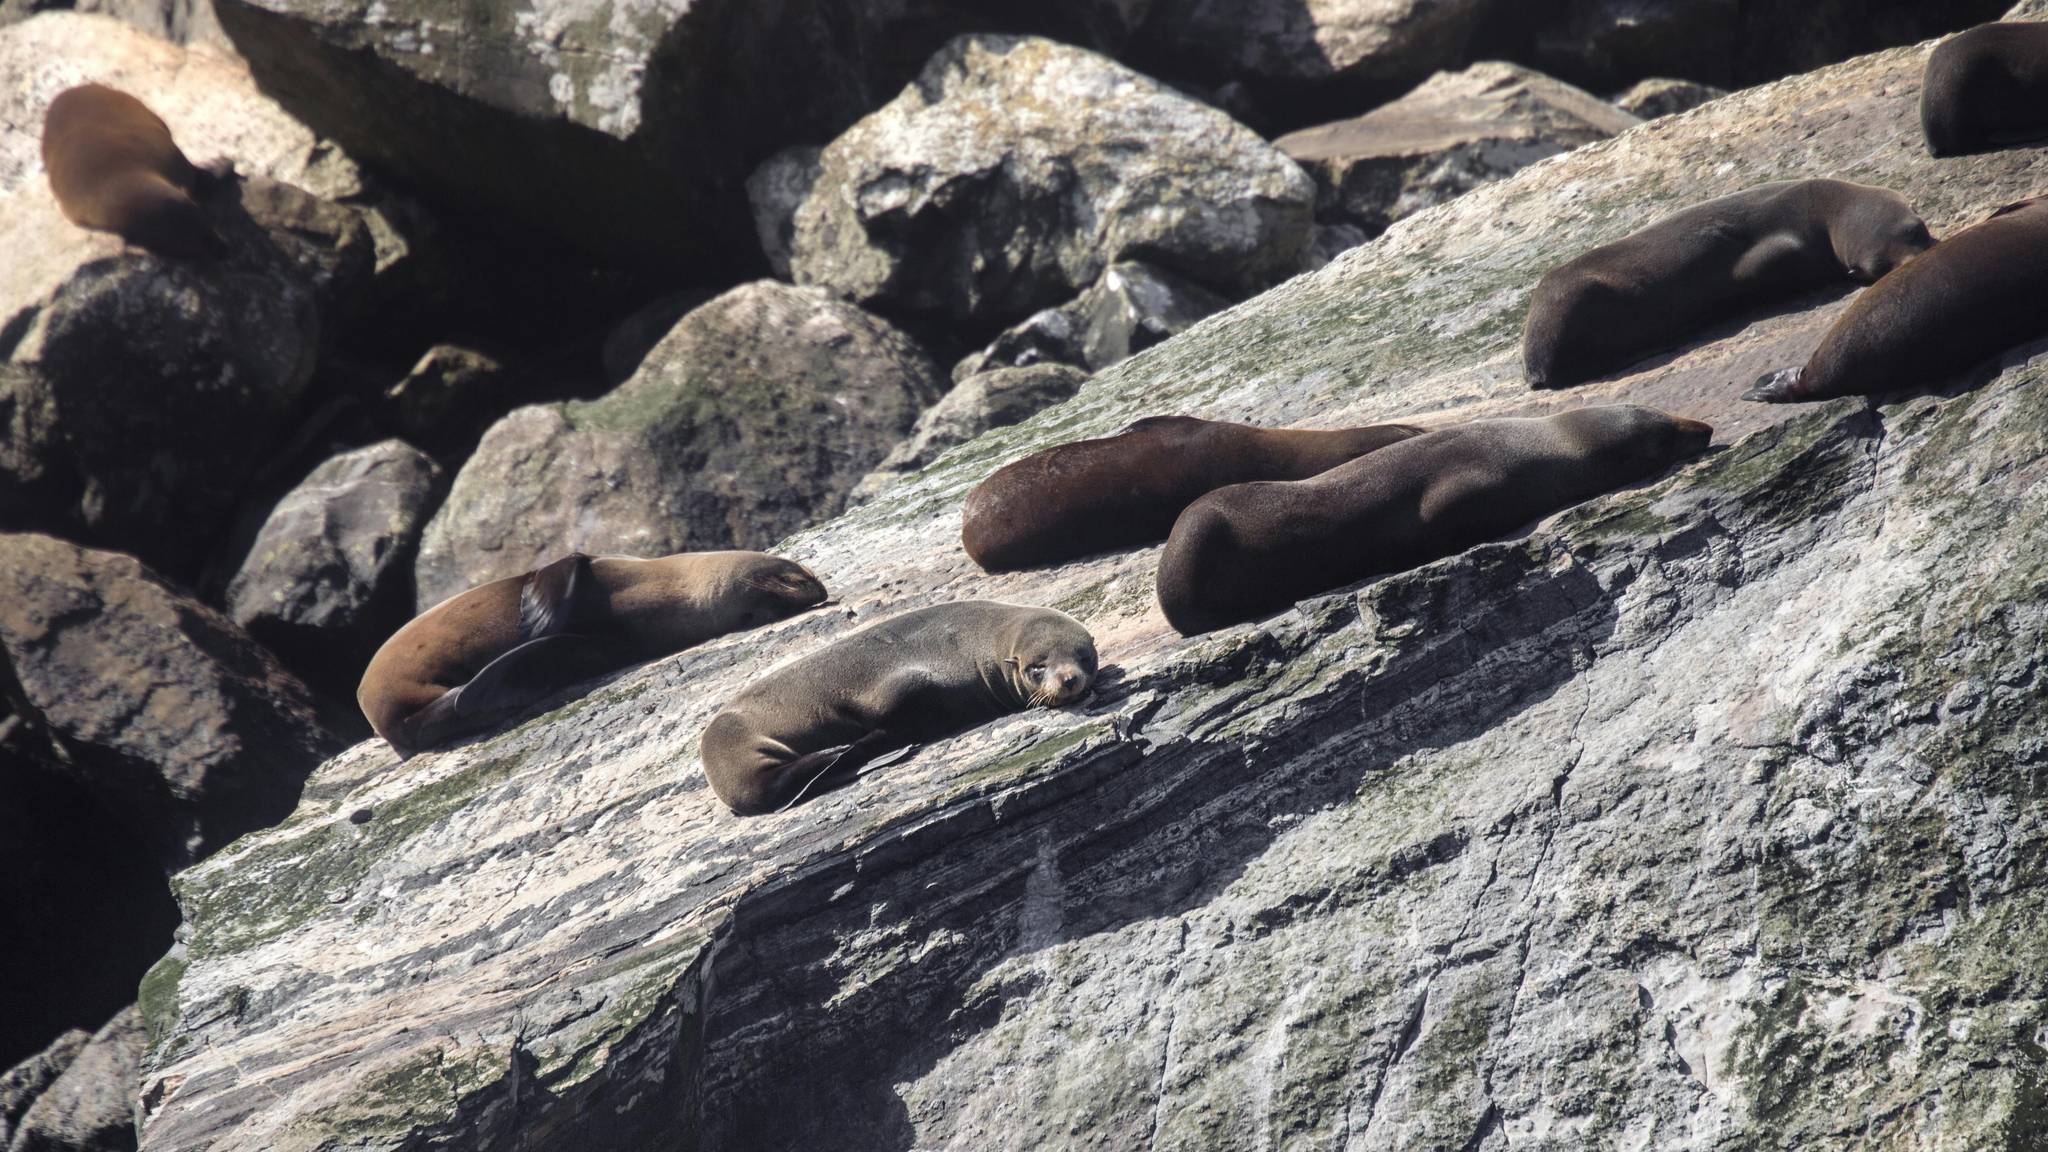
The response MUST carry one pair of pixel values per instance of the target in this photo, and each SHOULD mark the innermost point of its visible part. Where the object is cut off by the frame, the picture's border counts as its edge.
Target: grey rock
(626, 346)
(330, 574)
(1661, 96)
(978, 196)
(1332, 241)
(1132, 307)
(168, 713)
(21, 1084)
(1455, 132)
(451, 396)
(775, 191)
(1702, 817)
(993, 399)
(91, 1106)
(1387, 44)
(752, 418)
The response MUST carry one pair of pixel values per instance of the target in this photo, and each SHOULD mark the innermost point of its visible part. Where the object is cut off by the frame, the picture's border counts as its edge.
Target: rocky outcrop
(1132, 307)
(751, 419)
(977, 195)
(1455, 132)
(450, 398)
(90, 1107)
(1656, 97)
(21, 1084)
(158, 705)
(330, 574)
(1677, 823)
(993, 399)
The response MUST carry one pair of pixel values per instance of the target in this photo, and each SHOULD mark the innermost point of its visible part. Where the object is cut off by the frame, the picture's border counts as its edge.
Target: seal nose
(1695, 435)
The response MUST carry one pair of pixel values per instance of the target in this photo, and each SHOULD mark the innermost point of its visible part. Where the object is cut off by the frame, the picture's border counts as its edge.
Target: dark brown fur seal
(1614, 305)
(113, 167)
(1123, 491)
(478, 656)
(914, 678)
(1249, 550)
(1986, 88)
(1978, 293)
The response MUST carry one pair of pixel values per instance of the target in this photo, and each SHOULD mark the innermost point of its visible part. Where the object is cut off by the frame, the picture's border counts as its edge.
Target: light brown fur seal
(1617, 303)
(1986, 88)
(921, 676)
(114, 167)
(480, 655)
(1123, 491)
(1978, 293)
(1249, 550)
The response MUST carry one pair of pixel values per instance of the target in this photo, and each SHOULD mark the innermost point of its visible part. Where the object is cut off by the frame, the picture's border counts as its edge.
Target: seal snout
(1693, 435)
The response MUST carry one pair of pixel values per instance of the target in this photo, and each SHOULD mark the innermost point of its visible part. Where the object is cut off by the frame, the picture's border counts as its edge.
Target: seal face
(1123, 491)
(481, 655)
(910, 679)
(1250, 550)
(113, 167)
(1986, 88)
(1978, 293)
(1619, 302)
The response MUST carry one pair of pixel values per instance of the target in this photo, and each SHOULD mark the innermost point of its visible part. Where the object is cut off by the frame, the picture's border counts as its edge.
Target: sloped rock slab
(1701, 811)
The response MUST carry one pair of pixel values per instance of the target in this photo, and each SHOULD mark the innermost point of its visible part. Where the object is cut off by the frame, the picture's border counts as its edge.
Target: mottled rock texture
(753, 417)
(90, 1107)
(980, 195)
(1455, 132)
(21, 1084)
(1708, 816)
(997, 398)
(1649, 99)
(1132, 307)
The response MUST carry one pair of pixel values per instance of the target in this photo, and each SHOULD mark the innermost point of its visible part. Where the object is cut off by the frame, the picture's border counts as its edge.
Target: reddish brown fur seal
(1614, 305)
(1249, 550)
(1978, 293)
(913, 678)
(114, 167)
(1123, 491)
(481, 655)
(1986, 88)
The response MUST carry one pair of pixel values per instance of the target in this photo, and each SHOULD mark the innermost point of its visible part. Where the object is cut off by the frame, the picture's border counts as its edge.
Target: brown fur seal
(1613, 305)
(1252, 549)
(480, 655)
(913, 678)
(1978, 293)
(1986, 88)
(1123, 491)
(114, 167)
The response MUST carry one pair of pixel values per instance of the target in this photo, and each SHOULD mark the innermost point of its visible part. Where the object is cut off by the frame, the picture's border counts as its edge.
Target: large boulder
(330, 574)
(752, 418)
(994, 399)
(91, 1105)
(1013, 171)
(21, 1084)
(1455, 132)
(174, 719)
(1132, 307)
(1662, 96)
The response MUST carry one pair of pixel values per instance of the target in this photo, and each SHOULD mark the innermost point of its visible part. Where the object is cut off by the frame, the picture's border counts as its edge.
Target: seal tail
(1780, 387)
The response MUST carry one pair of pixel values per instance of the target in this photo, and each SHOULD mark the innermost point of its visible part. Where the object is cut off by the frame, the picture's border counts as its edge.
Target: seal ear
(549, 597)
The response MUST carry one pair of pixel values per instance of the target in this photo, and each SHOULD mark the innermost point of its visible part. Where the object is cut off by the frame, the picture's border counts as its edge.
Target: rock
(1454, 133)
(176, 721)
(629, 341)
(450, 398)
(91, 1106)
(1661, 96)
(776, 190)
(1676, 823)
(1332, 241)
(977, 196)
(749, 420)
(330, 574)
(994, 399)
(1132, 307)
(21, 1084)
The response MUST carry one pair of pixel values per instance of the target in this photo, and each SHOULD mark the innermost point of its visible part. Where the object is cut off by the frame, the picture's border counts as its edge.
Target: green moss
(397, 1101)
(157, 997)
(2025, 1128)
(1775, 1051)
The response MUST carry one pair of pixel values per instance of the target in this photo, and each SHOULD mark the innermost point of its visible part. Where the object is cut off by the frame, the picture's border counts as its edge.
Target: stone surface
(753, 417)
(1379, 45)
(177, 722)
(451, 396)
(1705, 817)
(1132, 307)
(978, 196)
(1658, 96)
(994, 399)
(90, 1107)
(1455, 132)
(330, 574)
(21, 1084)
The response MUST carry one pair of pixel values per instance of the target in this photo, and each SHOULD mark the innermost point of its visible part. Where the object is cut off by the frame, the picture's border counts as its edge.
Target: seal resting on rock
(1123, 491)
(1986, 88)
(481, 655)
(1619, 302)
(1978, 293)
(1250, 550)
(914, 678)
(113, 167)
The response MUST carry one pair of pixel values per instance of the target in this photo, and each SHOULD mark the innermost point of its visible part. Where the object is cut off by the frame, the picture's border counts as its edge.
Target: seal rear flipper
(525, 675)
(1780, 387)
(551, 597)
(830, 768)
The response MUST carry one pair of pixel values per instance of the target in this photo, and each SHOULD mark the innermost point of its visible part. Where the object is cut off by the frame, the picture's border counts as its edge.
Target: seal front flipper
(1780, 387)
(554, 596)
(843, 765)
(528, 673)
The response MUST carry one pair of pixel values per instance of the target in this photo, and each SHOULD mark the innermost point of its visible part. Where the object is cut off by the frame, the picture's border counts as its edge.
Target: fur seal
(1249, 550)
(481, 655)
(911, 679)
(114, 167)
(1986, 88)
(1609, 307)
(1978, 293)
(1124, 490)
